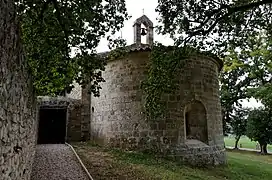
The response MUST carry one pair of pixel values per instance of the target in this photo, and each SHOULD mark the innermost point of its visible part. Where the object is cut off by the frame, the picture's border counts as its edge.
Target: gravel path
(56, 162)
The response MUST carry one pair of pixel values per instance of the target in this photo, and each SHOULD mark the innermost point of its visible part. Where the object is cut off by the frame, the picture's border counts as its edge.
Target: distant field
(244, 141)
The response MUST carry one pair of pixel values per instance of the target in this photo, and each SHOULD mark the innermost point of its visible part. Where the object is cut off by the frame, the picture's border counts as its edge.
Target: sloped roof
(131, 48)
(143, 20)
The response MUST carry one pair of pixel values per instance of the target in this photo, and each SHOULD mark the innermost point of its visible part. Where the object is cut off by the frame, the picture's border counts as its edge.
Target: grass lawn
(113, 164)
(245, 141)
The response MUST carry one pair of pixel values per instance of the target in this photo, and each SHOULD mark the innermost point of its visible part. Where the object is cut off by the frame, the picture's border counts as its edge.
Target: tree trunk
(237, 138)
(263, 148)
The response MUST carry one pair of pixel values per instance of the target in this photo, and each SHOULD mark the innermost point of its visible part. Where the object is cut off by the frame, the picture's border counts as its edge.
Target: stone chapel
(191, 133)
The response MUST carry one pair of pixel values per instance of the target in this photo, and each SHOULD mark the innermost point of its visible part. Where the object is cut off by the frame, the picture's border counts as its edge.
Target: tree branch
(230, 11)
(45, 5)
(61, 24)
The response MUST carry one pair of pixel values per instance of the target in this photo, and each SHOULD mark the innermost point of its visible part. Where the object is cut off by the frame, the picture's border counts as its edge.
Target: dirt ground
(103, 165)
(114, 164)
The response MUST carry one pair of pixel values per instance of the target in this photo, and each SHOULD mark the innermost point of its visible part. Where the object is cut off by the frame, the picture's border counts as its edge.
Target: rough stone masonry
(192, 130)
(17, 103)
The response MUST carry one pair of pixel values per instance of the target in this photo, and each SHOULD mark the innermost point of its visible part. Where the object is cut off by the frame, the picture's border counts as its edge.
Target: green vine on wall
(163, 75)
(117, 53)
(162, 78)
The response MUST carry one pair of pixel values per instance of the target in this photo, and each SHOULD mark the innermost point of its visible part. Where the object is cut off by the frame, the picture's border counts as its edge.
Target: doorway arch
(195, 122)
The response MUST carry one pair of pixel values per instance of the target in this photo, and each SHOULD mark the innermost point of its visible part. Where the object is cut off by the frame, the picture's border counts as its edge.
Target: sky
(136, 8)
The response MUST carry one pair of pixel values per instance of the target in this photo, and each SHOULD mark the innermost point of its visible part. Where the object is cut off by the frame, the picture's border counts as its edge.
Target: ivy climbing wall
(18, 125)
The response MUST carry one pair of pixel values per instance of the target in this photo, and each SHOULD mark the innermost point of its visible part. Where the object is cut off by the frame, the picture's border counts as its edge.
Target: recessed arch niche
(195, 122)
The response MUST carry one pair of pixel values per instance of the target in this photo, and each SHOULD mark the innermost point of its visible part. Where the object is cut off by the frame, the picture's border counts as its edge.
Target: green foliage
(165, 63)
(214, 24)
(245, 70)
(265, 94)
(120, 51)
(54, 31)
(259, 126)
(239, 122)
(261, 69)
(232, 88)
(257, 54)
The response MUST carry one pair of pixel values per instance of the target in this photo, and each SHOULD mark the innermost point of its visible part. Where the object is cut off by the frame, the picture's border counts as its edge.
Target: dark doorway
(52, 126)
(188, 132)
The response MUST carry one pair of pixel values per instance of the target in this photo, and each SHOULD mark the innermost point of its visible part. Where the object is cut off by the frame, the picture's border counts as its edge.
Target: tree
(245, 71)
(239, 124)
(264, 93)
(54, 29)
(259, 127)
(234, 82)
(214, 24)
(262, 58)
(233, 88)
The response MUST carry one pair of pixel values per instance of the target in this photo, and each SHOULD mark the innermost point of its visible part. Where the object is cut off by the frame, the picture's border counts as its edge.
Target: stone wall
(117, 119)
(199, 88)
(85, 113)
(74, 119)
(18, 123)
(115, 115)
(76, 92)
(200, 82)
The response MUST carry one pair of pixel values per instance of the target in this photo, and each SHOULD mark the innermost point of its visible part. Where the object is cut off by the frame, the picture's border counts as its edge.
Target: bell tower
(147, 31)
